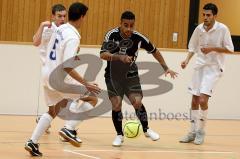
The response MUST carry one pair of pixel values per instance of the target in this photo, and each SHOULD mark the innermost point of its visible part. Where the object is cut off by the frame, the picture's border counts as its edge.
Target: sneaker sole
(196, 143)
(62, 139)
(151, 138)
(31, 152)
(70, 140)
(186, 141)
(116, 145)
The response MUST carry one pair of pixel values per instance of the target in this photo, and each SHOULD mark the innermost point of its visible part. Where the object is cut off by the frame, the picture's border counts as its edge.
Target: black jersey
(116, 44)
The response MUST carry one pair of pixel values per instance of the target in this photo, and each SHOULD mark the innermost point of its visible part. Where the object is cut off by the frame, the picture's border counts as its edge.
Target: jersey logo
(123, 46)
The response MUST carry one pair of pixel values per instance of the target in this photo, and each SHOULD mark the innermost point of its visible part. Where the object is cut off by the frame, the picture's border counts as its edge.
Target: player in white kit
(42, 37)
(209, 41)
(63, 46)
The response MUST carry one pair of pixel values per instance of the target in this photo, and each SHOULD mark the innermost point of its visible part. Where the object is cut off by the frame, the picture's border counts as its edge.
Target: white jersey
(46, 35)
(63, 45)
(218, 36)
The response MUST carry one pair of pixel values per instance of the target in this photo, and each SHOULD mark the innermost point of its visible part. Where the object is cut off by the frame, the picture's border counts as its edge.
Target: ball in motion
(132, 129)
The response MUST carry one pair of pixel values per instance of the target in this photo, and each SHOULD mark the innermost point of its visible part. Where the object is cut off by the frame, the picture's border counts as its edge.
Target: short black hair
(212, 7)
(57, 8)
(128, 15)
(76, 10)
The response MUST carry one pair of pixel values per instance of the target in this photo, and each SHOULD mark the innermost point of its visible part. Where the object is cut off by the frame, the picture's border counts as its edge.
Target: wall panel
(157, 19)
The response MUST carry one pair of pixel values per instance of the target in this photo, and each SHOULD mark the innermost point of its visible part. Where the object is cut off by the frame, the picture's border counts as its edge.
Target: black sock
(117, 121)
(142, 116)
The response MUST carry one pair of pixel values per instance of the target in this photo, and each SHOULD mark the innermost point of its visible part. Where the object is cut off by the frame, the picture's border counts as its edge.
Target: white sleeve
(227, 41)
(46, 34)
(193, 43)
(71, 48)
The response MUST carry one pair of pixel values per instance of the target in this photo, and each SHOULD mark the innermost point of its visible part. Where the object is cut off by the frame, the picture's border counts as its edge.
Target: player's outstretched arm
(92, 87)
(186, 61)
(157, 55)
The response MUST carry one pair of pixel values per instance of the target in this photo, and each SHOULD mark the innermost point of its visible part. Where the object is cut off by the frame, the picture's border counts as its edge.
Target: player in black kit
(120, 50)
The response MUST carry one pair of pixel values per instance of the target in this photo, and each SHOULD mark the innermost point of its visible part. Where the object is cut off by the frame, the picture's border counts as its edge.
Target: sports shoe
(118, 140)
(70, 136)
(62, 139)
(188, 138)
(32, 148)
(200, 134)
(151, 134)
(46, 131)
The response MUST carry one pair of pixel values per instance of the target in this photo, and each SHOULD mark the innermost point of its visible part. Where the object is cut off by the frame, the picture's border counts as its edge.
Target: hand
(93, 88)
(184, 64)
(172, 73)
(126, 58)
(206, 50)
(46, 24)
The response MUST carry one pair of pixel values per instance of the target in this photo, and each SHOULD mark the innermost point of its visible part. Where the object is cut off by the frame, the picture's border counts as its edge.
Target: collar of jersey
(74, 29)
(121, 34)
(213, 28)
(54, 25)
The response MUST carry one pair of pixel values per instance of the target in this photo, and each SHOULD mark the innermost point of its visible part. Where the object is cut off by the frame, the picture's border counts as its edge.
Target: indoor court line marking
(81, 154)
(160, 151)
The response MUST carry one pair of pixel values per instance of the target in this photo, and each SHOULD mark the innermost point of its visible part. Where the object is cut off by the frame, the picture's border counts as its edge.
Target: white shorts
(52, 97)
(204, 80)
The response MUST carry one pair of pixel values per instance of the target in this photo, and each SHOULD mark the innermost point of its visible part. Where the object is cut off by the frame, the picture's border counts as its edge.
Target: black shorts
(123, 87)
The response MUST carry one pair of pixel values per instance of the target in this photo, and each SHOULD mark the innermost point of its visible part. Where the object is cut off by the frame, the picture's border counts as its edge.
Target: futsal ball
(132, 129)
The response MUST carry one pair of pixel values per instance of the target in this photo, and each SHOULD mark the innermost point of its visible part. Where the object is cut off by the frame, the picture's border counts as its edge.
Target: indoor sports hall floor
(222, 141)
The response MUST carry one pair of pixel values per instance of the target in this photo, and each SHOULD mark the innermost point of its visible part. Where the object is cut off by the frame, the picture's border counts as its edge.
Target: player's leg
(194, 115)
(83, 104)
(32, 145)
(134, 94)
(68, 132)
(211, 76)
(117, 118)
(193, 89)
(202, 119)
(54, 101)
(115, 94)
(48, 129)
(136, 101)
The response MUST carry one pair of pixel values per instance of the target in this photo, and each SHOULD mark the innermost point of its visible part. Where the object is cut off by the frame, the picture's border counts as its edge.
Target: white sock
(72, 124)
(78, 108)
(41, 127)
(85, 107)
(193, 119)
(202, 119)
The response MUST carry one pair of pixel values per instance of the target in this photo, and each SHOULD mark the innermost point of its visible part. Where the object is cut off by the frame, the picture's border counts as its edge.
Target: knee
(117, 107)
(52, 111)
(116, 103)
(195, 102)
(93, 100)
(63, 103)
(137, 104)
(203, 103)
